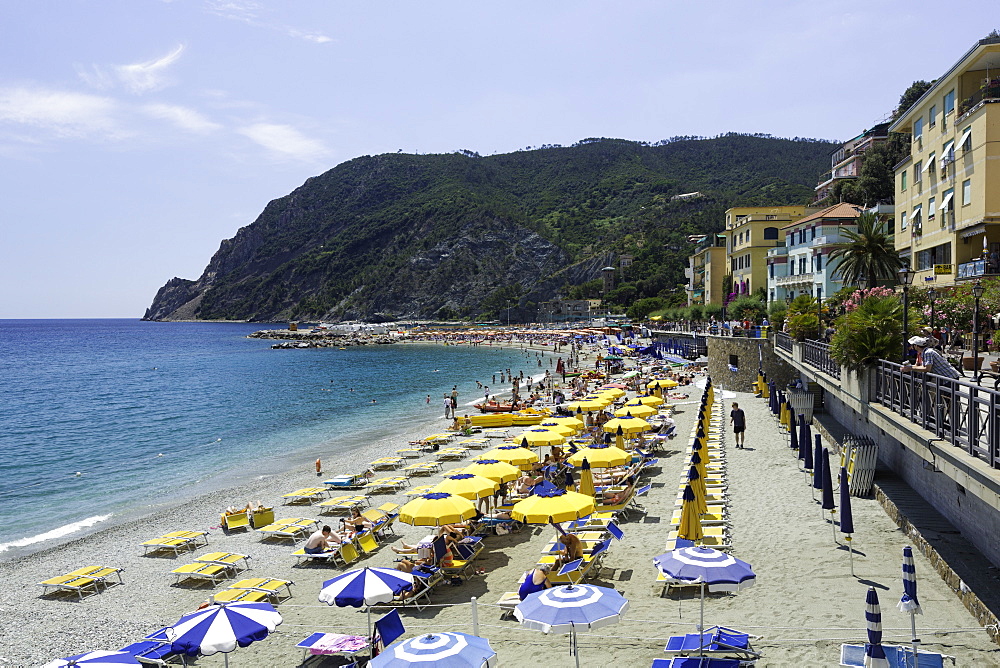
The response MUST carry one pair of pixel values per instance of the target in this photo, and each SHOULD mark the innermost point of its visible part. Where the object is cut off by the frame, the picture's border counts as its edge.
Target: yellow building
(750, 232)
(948, 190)
(708, 267)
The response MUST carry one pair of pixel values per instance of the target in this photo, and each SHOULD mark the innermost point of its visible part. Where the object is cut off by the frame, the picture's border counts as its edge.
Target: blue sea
(102, 419)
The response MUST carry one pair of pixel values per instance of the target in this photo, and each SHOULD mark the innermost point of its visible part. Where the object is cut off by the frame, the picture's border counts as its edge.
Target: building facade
(948, 189)
(802, 265)
(707, 269)
(846, 161)
(750, 233)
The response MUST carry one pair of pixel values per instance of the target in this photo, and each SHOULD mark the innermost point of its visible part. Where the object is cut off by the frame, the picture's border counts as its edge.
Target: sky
(136, 135)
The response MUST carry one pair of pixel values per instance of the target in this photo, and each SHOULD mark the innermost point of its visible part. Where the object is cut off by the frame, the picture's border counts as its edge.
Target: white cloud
(182, 117)
(150, 75)
(250, 12)
(62, 113)
(284, 140)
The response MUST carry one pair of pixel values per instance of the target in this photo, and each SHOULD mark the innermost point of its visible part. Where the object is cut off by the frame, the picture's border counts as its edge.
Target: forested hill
(459, 235)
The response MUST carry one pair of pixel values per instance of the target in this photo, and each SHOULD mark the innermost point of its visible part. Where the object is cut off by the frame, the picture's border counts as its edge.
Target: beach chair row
(364, 543)
(212, 567)
(175, 541)
(82, 580)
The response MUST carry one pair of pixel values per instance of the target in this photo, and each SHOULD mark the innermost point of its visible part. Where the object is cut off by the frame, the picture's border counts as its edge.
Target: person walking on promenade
(739, 421)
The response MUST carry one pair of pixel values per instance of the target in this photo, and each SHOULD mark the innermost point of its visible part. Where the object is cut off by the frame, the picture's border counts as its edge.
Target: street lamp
(906, 279)
(977, 293)
(932, 295)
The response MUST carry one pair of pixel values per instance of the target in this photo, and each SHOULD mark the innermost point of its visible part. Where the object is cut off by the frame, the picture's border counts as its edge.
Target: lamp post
(977, 293)
(906, 279)
(932, 295)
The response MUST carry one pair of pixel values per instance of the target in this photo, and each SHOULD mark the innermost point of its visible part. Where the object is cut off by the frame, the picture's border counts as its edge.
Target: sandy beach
(804, 605)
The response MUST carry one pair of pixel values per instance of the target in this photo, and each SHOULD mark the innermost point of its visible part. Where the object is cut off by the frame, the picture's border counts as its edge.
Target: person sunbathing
(536, 579)
(355, 524)
(321, 541)
(618, 497)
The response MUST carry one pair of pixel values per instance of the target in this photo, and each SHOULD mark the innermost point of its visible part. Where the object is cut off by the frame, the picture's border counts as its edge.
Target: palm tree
(868, 254)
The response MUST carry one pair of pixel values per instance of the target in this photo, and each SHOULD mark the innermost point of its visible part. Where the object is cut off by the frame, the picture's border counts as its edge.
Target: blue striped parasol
(364, 587)
(874, 654)
(909, 603)
(451, 649)
(222, 628)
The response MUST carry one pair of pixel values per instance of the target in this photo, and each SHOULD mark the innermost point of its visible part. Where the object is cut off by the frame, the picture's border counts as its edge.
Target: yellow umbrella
(628, 425)
(436, 508)
(602, 399)
(690, 526)
(635, 410)
(468, 485)
(586, 479)
(568, 421)
(538, 436)
(613, 392)
(649, 400)
(662, 383)
(512, 454)
(552, 506)
(493, 469)
(599, 456)
(585, 406)
(559, 428)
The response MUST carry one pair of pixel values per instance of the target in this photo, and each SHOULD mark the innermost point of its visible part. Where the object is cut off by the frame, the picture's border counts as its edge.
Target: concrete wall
(747, 352)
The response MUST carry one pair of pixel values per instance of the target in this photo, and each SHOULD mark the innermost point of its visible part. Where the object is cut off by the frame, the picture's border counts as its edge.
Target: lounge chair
(305, 495)
(154, 650)
(381, 522)
(418, 491)
(391, 509)
(367, 543)
(425, 580)
(196, 571)
(347, 481)
(422, 468)
(236, 521)
(708, 519)
(385, 485)
(327, 644)
(101, 573)
(342, 504)
(898, 656)
(700, 662)
(270, 586)
(332, 554)
(386, 463)
(74, 583)
(175, 545)
(291, 532)
(508, 601)
(226, 559)
(410, 452)
(231, 595)
(715, 640)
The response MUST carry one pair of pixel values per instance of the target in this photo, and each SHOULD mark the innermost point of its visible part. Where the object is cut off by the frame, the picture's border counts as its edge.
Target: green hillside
(460, 235)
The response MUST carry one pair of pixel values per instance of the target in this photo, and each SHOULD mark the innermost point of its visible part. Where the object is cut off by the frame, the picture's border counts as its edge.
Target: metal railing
(817, 354)
(783, 341)
(964, 414)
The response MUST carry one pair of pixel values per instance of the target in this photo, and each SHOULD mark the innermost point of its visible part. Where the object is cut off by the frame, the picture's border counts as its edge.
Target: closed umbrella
(222, 628)
(846, 517)
(909, 603)
(827, 500)
(690, 525)
(586, 479)
(95, 659)
(436, 650)
(805, 431)
(436, 509)
(874, 653)
(807, 457)
(697, 484)
(793, 425)
(817, 477)
(570, 608)
(364, 587)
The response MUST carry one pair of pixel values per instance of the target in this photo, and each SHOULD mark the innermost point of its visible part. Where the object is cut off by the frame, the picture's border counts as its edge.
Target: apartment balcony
(797, 279)
(990, 93)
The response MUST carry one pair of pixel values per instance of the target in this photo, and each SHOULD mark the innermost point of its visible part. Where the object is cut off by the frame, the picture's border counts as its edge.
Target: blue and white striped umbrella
(718, 570)
(563, 609)
(365, 587)
(438, 650)
(909, 602)
(874, 654)
(97, 658)
(221, 628)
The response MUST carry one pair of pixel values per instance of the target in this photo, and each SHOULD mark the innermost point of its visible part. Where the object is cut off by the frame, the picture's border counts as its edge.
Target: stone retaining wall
(746, 353)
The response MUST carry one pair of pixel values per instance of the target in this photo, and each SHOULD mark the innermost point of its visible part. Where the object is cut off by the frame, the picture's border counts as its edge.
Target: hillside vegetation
(459, 235)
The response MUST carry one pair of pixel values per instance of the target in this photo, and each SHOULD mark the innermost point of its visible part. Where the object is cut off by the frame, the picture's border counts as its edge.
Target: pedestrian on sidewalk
(739, 421)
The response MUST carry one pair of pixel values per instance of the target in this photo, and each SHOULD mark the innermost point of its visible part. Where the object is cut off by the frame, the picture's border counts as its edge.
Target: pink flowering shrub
(858, 296)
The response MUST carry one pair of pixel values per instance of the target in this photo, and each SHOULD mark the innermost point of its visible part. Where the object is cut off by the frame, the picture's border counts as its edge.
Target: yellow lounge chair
(270, 586)
(193, 535)
(163, 544)
(367, 542)
(389, 508)
(332, 554)
(196, 571)
(341, 504)
(241, 596)
(101, 573)
(226, 559)
(417, 491)
(305, 495)
(76, 583)
(236, 521)
(287, 531)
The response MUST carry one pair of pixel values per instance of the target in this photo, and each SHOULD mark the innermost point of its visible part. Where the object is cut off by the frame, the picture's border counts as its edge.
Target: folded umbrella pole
(846, 516)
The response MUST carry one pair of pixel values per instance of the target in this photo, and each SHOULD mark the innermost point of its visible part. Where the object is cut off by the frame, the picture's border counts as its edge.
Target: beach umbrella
(515, 455)
(635, 410)
(807, 457)
(612, 386)
(874, 654)
(221, 628)
(628, 425)
(468, 485)
(537, 437)
(611, 392)
(560, 428)
(817, 476)
(697, 484)
(576, 424)
(690, 525)
(600, 456)
(433, 650)
(570, 608)
(493, 469)
(649, 400)
(661, 384)
(714, 570)
(552, 505)
(435, 509)
(586, 479)
(793, 427)
(585, 406)
(364, 587)
(95, 659)
(846, 517)
(909, 603)
(827, 497)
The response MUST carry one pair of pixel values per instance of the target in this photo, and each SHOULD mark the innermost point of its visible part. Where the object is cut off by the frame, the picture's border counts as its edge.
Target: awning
(966, 134)
(947, 154)
(930, 161)
(974, 231)
(916, 212)
(947, 200)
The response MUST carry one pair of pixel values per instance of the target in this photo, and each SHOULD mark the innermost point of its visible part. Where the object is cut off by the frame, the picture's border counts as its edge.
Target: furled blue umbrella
(793, 436)
(792, 424)
(95, 659)
(570, 608)
(805, 431)
(827, 500)
(846, 517)
(713, 569)
(437, 650)
(909, 603)
(817, 477)
(221, 628)
(874, 654)
(364, 587)
(803, 450)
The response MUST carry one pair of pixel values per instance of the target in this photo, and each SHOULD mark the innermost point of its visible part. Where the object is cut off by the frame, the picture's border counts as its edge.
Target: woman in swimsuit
(536, 579)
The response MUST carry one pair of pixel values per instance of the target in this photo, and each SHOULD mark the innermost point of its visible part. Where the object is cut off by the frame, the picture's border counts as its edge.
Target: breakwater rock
(323, 339)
